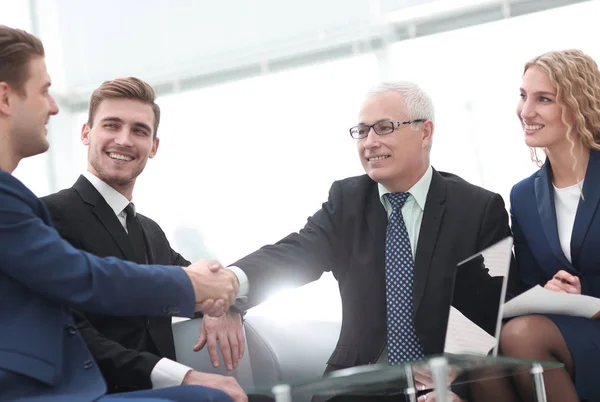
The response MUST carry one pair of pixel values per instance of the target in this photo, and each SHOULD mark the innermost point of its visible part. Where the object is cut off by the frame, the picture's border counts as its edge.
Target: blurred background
(257, 97)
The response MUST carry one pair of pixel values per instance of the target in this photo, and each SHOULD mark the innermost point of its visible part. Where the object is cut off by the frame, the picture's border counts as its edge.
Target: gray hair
(418, 103)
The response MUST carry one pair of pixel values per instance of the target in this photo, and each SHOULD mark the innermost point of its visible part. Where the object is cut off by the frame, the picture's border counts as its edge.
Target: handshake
(215, 287)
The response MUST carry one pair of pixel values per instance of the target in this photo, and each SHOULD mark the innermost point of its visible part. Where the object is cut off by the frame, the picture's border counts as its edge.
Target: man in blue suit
(42, 355)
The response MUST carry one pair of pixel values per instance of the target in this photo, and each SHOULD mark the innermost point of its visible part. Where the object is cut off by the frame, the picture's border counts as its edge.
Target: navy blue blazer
(537, 247)
(41, 276)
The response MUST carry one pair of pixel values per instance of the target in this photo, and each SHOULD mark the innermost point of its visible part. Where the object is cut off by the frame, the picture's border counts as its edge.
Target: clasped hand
(215, 287)
(564, 282)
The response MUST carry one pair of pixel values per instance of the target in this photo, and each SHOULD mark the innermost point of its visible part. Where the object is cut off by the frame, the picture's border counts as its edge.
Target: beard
(116, 179)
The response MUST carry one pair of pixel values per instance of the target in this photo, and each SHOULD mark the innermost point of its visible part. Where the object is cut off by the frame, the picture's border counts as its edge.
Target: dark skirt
(582, 336)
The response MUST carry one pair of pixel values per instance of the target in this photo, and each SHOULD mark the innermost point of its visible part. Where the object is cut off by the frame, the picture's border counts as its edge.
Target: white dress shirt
(566, 201)
(166, 373)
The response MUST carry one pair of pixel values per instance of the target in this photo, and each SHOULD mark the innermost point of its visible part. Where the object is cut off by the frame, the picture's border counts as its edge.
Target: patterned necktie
(136, 234)
(403, 343)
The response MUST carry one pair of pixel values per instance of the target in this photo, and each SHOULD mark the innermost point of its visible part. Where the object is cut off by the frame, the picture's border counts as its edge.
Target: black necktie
(136, 234)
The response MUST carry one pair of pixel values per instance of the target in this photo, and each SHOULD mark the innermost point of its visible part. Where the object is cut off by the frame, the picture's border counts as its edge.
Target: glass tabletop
(383, 379)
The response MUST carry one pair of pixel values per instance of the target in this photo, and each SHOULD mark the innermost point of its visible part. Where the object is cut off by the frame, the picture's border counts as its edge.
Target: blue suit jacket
(537, 247)
(41, 353)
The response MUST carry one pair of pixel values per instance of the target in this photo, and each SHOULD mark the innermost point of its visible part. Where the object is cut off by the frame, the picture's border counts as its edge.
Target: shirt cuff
(242, 279)
(168, 373)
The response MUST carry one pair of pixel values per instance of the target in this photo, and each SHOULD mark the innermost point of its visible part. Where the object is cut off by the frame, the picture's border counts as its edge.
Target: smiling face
(120, 142)
(540, 113)
(396, 160)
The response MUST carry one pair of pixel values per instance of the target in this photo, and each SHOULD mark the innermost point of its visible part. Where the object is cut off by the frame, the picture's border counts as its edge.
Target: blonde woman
(556, 221)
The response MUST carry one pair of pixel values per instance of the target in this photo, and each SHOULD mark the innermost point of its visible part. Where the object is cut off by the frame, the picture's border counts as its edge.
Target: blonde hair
(576, 77)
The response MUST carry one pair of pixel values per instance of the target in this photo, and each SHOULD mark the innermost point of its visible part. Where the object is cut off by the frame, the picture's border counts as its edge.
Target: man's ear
(85, 134)
(154, 148)
(5, 98)
(427, 132)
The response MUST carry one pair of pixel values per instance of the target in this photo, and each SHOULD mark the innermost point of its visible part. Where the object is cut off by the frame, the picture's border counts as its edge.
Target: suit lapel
(430, 226)
(587, 206)
(544, 195)
(106, 216)
(145, 230)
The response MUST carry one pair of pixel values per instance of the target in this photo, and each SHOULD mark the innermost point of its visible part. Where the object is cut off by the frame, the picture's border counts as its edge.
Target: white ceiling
(181, 44)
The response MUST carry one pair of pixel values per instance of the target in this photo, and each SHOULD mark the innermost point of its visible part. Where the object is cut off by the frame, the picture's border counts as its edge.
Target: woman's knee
(525, 332)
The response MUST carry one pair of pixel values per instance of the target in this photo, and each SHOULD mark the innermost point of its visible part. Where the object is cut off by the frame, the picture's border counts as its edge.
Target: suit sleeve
(34, 254)
(529, 271)
(62, 225)
(300, 257)
(494, 228)
(177, 259)
(123, 369)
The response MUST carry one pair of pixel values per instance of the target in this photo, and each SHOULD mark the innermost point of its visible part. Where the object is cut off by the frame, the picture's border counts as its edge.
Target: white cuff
(242, 279)
(168, 373)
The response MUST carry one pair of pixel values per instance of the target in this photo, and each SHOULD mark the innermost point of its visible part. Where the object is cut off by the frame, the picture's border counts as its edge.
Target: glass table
(442, 374)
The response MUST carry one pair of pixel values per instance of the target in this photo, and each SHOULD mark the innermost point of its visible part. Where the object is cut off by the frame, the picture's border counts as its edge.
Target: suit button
(71, 329)
(88, 364)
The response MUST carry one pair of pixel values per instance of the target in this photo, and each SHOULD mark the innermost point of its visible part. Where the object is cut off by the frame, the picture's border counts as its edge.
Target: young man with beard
(96, 215)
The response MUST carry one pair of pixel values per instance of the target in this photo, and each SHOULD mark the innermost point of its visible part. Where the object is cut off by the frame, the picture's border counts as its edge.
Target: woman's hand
(564, 282)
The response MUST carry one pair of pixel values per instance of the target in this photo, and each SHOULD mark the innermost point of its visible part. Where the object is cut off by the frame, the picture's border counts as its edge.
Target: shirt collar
(113, 198)
(418, 191)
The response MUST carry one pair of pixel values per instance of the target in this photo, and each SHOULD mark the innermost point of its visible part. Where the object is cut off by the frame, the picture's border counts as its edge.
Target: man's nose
(123, 137)
(53, 107)
(372, 138)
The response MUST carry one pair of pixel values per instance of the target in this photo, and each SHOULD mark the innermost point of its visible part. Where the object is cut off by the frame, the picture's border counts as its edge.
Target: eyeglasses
(381, 128)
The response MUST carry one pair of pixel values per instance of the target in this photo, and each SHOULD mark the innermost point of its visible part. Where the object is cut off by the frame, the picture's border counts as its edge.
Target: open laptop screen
(478, 296)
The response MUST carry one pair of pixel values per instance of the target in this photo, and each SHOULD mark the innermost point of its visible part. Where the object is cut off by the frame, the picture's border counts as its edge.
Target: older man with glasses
(391, 237)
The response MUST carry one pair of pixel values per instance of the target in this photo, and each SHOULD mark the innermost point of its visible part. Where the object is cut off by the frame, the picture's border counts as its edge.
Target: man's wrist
(168, 373)
(187, 377)
(233, 275)
(242, 281)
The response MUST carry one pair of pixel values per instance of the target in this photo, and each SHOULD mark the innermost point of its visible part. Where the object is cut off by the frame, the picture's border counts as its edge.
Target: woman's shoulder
(526, 182)
(524, 190)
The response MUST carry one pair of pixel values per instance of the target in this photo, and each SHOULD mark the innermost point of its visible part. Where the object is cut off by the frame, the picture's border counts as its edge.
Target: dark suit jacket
(537, 247)
(126, 348)
(41, 276)
(347, 237)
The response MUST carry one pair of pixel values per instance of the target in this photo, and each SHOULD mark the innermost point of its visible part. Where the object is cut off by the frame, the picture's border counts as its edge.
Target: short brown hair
(17, 48)
(125, 88)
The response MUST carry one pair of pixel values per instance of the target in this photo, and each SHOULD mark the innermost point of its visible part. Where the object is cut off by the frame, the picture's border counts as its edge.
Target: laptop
(478, 296)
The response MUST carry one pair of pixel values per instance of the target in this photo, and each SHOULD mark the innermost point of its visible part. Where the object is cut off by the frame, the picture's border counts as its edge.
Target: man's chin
(377, 175)
(40, 149)
(116, 180)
